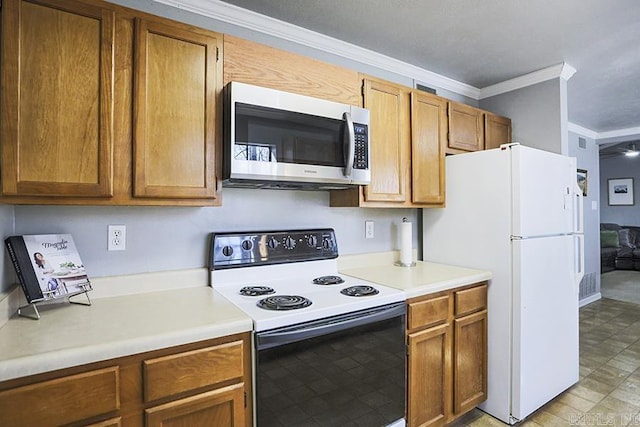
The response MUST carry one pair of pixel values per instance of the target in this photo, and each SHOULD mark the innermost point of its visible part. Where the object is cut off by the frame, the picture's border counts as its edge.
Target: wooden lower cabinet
(206, 383)
(429, 381)
(447, 355)
(470, 361)
(222, 407)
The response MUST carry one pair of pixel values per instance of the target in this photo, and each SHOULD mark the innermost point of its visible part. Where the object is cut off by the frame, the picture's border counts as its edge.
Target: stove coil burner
(284, 302)
(359, 291)
(252, 291)
(328, 280)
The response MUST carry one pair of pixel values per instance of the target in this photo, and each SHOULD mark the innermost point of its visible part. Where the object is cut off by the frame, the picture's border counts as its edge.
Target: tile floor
(608, 393)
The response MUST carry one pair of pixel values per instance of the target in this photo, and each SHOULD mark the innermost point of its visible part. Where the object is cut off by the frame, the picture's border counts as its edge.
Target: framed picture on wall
(620, 192)
(582, 181)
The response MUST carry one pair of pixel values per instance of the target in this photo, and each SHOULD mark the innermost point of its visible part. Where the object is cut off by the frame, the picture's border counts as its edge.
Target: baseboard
(591, 298)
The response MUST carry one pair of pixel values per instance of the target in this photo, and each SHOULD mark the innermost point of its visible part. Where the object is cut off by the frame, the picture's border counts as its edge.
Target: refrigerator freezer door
(545, 321)
(543, 187)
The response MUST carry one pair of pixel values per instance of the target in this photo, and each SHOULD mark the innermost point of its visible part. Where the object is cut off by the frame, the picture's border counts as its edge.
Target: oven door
(340, 371)
(284, 137)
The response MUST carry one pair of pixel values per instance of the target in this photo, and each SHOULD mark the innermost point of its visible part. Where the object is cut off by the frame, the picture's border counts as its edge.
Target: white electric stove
(329, 349)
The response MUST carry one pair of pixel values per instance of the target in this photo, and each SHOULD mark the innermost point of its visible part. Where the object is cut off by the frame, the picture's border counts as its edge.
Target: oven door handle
(287, 335)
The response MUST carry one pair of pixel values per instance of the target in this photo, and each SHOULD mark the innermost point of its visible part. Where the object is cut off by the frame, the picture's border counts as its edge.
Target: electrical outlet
(368, 230)
(117, 237)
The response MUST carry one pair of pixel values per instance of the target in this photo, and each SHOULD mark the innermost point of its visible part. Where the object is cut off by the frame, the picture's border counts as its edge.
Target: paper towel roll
(406, 256)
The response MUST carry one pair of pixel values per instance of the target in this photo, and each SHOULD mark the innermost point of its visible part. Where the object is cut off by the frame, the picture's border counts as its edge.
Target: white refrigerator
(517, 212)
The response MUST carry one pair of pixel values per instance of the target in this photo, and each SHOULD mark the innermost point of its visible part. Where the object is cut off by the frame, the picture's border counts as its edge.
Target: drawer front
(182, 372)
(470, 300)
(63, 400)
(428, 312)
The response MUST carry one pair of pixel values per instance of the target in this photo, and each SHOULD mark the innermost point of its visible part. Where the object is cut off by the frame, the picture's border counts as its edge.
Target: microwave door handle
(350, 148)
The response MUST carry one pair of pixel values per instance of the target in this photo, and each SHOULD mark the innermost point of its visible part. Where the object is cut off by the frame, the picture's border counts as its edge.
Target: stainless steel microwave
(276, 139)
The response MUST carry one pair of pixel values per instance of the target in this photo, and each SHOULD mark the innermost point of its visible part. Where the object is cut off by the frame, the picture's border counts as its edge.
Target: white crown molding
(618, 133)
(562, 70)
(273, 27)
(572, 127)
(600, 136)
(567, 71)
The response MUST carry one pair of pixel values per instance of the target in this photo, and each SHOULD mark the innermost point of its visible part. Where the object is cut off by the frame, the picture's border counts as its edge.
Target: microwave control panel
(361, 155)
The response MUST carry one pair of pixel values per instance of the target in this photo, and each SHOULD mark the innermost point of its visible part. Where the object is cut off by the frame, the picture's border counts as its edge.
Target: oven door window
(352, 377)
(270, 135)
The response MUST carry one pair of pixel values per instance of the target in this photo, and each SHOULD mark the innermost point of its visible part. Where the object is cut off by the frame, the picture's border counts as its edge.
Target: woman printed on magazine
(51, 284)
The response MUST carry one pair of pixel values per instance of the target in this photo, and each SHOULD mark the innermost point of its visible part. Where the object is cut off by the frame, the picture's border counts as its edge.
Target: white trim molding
(563, 70)
(244, 18)
(572, 127)
(605, 137)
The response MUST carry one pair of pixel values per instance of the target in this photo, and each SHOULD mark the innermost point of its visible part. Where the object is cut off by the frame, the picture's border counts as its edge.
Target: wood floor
(608, 393)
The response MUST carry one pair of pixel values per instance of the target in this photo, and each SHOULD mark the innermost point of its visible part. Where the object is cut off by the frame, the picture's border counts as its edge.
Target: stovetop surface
(297, 279)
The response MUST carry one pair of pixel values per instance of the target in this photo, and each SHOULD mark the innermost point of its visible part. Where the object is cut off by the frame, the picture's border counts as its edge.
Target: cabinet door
(465, 127)
(61, 401)
(218, 408)
(428, 132)
(469, 361)
(497, 131)
(389, 141)
(177, 81)
(57, 98)
(429, 378)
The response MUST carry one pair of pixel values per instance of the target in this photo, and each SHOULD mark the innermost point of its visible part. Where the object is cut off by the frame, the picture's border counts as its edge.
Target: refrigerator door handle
(579, 249)
(578, 218)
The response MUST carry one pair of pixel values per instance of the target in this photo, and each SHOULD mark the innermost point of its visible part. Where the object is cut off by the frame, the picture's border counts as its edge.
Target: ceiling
(488, 42)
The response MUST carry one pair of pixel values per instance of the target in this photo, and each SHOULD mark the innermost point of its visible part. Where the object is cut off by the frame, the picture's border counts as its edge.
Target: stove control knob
(289, 242)
(327, 243)
(227, 251)
(312, 241)
(247, 245)
(272, 243)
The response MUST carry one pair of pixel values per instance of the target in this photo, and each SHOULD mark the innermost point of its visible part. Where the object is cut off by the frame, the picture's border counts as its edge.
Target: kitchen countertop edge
(150, 328)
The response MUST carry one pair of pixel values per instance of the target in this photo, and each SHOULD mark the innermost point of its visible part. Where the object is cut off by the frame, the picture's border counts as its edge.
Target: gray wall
(619, 167)
(587, 158)
(171, 238)
(536, 114)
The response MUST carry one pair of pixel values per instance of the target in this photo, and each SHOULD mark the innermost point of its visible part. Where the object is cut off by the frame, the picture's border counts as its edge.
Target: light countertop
(119, 324)
(422, 279)
(68, 334)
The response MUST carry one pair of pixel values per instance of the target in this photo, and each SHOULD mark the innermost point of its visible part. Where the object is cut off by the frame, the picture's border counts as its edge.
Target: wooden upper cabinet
(428, 132)
(497, 130)
(177, 79)
(257, 64)
(466, 128)
(389, 141)
(57, 99)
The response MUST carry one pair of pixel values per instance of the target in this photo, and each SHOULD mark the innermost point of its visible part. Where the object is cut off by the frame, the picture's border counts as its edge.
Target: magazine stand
(31, 310)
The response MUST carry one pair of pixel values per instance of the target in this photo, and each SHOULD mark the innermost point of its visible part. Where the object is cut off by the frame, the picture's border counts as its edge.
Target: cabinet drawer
(182, 372)
(470, 300)
(63, 400)
(428, 312)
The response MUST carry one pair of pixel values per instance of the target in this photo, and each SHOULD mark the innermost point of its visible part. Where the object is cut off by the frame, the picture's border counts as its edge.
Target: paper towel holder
(403, 250)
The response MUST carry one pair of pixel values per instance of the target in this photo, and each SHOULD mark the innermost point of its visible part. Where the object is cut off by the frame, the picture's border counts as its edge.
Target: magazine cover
(48, 266)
